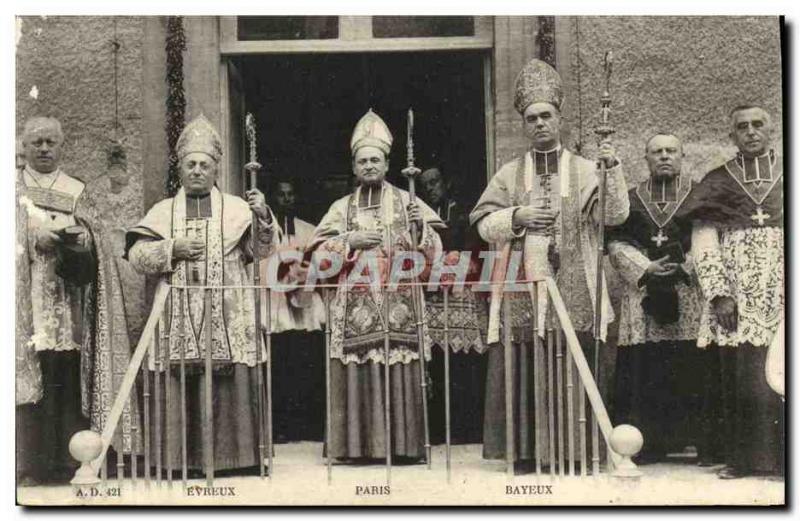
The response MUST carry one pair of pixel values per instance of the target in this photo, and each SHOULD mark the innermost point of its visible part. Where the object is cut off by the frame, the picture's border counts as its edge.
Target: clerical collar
(286, 222)
(662, 197)
(546, 162)
(664, 189)
(444, 210)
(370, 197)
(198, 206)
(43, 180)
(756, 169)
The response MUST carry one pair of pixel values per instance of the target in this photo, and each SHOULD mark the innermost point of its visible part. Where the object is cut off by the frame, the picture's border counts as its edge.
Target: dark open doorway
(307, 105)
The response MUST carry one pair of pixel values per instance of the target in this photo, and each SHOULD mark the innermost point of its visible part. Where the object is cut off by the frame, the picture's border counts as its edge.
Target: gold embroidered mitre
(371, 131)
(199, 136)
(537, 82)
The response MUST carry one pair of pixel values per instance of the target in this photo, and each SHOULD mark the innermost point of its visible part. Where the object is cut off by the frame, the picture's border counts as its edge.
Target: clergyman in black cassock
(659, 371)
(737, 238)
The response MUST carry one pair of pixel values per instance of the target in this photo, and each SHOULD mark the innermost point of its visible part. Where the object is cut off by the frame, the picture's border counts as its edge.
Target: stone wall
(675, 74)
(514, 45)
(69, 60)
(65, 69)
(669, 74)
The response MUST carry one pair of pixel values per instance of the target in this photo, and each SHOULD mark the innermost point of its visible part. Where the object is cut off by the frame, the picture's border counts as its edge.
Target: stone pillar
(201, 68)
(154, 95)
(514, 45)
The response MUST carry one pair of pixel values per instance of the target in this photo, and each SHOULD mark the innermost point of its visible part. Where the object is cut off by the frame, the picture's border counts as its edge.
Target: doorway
(306, 106)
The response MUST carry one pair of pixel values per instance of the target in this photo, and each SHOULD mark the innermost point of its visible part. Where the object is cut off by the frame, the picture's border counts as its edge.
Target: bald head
(664, 154)
(42, 139)
(41, 123)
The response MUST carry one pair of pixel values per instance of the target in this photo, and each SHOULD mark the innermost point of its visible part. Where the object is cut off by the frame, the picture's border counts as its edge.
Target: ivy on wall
(546, 39)
(176, 97)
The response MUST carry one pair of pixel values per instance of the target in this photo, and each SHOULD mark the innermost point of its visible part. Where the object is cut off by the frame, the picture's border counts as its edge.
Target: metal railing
(562, 381)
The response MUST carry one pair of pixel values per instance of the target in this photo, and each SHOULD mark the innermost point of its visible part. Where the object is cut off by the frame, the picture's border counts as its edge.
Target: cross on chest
(196, 228)
(760, 216)
(660, 238)
(193, 227)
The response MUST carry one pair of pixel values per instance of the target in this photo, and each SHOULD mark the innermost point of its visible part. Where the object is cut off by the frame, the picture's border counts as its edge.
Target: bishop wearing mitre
(366, 229)
(202, 237)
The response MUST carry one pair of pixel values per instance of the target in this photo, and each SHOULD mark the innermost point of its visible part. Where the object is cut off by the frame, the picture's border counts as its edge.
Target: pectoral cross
(760, 216)
(660, 238)
(193, 231)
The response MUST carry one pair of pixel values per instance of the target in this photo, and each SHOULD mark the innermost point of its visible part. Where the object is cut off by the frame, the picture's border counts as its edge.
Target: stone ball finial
(85, 446)
(626, 440)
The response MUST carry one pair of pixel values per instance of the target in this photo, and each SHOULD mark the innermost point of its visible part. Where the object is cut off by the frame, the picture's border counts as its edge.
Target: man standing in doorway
(465, 313)
(297, 320)
(368, 228)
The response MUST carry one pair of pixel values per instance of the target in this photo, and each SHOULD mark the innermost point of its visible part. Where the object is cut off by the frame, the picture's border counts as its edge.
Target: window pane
(421, 26)
(287, 27)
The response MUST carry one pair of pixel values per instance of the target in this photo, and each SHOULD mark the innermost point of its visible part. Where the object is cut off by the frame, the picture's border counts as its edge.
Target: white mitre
(371, 131)
(199, 135)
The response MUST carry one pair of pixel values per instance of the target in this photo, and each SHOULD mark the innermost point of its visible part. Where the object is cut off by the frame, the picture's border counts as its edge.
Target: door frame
(355, 35)
(356, 41)
(230, 184)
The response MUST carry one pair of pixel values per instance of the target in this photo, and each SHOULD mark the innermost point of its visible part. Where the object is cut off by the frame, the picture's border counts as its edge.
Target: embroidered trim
(771, 160)
(498, 226)
(151, 256)
(711, 271)
(754, 260)
(357, 316)
(194, 347)
(630, 263)
(30, 172)
(450, 205)
(671, 208)
(739, 178)
(709, 267)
